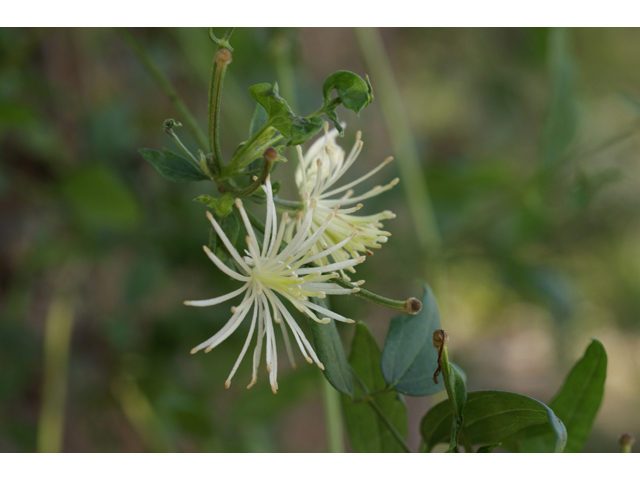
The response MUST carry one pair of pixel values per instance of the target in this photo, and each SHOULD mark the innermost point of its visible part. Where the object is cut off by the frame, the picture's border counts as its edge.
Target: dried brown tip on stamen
(274, 389)
(223, 57)
(209, 216)
(238, 203)
(358, 135)
(253, 382)
(268, 368)
(348, 320)
(194, 350)
(388, 160)
(254, 178)
(308, 360)
(440, 338)
(187, 303)
(227, 384)
(369, 252)
(321, 366)
(413, 305)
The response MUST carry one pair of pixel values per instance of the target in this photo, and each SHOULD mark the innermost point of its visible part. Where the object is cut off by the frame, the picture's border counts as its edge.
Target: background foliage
(527, 140)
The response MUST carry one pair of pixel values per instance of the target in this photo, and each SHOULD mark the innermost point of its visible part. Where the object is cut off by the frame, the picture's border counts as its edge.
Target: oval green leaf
(491, 416)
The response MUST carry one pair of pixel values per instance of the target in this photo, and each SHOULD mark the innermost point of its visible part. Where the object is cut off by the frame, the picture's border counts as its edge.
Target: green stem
(333, 417)
(166, 87)
(412, 305)
(368, 398)
(168, 129)
(411, 172)
(57, 339)
(215, 94)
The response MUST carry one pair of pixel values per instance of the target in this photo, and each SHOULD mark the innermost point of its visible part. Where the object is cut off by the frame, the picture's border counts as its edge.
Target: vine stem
(371, 402)
(165, 86)
(333, 417)
(220, 61)
(413, 177)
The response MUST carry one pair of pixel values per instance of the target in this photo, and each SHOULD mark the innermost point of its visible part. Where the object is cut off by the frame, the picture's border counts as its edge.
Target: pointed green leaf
(367, 432)
(331, 353)
(408, 358)
(297, 129)
(576, 404)
(578, 401)
(173, 166)
(491, 416)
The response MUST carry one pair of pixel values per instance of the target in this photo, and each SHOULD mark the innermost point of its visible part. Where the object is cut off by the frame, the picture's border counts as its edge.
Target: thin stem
(411, 172)
(333, 417)
(168, 129)
(218, 69)
(412, 305)
(165, 85)
(57, 339)
(369, 400)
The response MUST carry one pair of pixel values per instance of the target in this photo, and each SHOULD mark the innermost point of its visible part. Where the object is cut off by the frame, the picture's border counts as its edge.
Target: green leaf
(408, 358)
(331, 353)
(367, 432)
(488, 448)
(492, 416)
(101, 198)
(221, 206)
(561, 124)
(457, 399)
(260, 117)
(297, 129)
(576, 404)
(353, 92)
(173, 166)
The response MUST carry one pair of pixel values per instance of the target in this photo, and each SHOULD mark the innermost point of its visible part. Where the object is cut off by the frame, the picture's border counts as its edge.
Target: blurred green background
(527, 141)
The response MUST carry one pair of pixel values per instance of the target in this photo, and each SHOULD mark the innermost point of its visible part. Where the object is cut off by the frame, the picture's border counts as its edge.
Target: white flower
(270, 275)
(318, 171)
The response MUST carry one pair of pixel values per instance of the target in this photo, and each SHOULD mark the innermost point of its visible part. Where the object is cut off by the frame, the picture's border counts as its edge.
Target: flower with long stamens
(271, 276)
(316, 175)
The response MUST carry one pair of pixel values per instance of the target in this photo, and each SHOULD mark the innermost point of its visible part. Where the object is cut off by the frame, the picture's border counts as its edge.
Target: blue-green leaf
(173, 166)
(367, 432)
(492, 416)
(408, 358)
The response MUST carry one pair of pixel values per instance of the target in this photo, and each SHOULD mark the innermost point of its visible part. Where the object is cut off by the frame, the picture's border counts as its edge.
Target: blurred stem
(402, 305)
(333, 417)
(140, 413)
(166, 87)
(413, 177)
(332, 412)
(56, 355)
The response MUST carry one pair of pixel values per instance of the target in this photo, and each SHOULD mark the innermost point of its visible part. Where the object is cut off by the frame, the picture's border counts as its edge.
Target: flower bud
(413, 305)
(271, 155)
(440, 338)
(223, 57)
